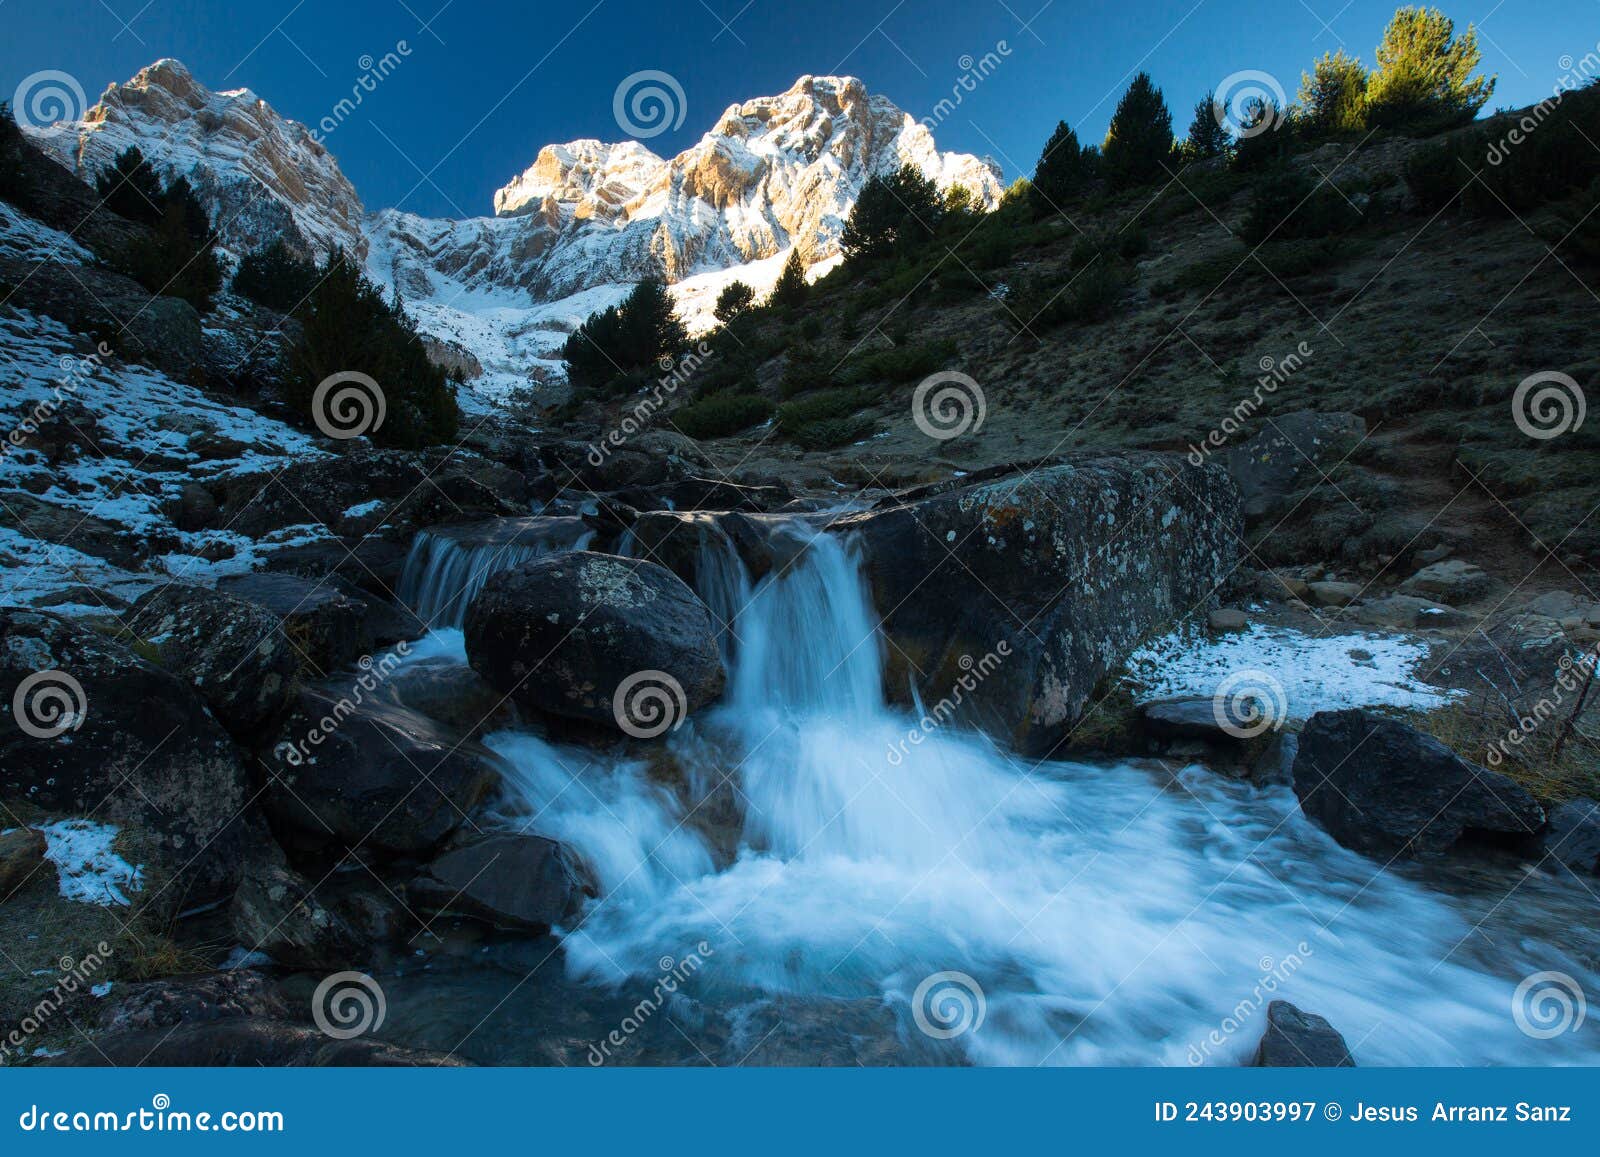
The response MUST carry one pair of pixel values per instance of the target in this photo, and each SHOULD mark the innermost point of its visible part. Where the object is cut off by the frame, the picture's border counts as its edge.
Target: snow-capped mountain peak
(570, 233)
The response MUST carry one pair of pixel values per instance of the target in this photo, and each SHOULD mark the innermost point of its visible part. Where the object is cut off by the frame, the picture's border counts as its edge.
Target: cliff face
(261, 175)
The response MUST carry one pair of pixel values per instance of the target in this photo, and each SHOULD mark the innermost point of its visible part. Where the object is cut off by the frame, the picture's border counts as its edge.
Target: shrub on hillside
(1333, 96)
(903, 363)
(1063, 173)
(131, 188)
(346, 326)
(178, 258)
(1290, 205)
(735, 298)
(1091, 294)
(790, 290)
(627, 339)
(1207, 136)
(1266, 137)
(895, 212)
(720, 415)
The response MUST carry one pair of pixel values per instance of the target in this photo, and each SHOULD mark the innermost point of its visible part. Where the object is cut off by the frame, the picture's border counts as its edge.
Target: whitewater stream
(785, 879)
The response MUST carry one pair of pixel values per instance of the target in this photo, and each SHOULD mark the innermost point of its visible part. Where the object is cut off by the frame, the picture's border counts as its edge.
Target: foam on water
(1110, 913)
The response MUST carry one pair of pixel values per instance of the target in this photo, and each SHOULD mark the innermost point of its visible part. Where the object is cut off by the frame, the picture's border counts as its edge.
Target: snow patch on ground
(1316, 672)
(89, 870)
(143, 425)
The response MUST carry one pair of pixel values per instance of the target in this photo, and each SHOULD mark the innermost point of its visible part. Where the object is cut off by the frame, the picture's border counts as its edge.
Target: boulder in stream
(613, 640)
(1386, 789)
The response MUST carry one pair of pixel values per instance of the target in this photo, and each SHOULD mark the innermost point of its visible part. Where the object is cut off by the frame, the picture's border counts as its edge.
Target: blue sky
(486, 84)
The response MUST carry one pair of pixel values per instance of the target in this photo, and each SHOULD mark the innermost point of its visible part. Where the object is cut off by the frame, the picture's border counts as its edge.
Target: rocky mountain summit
(568, 234)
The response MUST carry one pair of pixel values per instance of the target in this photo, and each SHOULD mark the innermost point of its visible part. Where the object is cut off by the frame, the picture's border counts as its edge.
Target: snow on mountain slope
(570, 234)
(261, 175)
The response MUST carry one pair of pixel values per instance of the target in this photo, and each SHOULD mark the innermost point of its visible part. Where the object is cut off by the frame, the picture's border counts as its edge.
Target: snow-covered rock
(260, 175)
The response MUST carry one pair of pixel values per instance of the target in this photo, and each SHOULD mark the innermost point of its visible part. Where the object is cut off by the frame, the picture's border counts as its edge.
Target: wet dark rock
(1454, 582)
(419, 488)
(1296, 1039)
(678, 539)
(229, 649)
(1386, 789)
(191, 999)
(138, 747)
(280, 912)
(372, 564)
(195, 509)
(1066, 567)
(511, 881)
(1573, 838)
(564, 633)
(327, 628)
(245, 1043)
(351, 770)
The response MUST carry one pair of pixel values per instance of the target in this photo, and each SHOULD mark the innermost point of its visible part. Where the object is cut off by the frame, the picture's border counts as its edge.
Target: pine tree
(1063, 173)
(625, 340)
(276, 277)
(894, 212)
(1333, 96)
(131, 188)
(791, 288)
(1208, 135)
(1266, 136)
(346, 325)
(177, 258)
(1425, 73)
(732, 301)
(1139, 142)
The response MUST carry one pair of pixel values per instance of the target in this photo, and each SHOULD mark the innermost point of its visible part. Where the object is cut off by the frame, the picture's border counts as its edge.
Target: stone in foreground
(1386, 789)
(510, 881)
(1296, 1039)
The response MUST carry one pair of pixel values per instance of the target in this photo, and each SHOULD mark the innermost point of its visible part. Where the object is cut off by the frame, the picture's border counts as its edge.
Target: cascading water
(445, 570)
(1106, 913)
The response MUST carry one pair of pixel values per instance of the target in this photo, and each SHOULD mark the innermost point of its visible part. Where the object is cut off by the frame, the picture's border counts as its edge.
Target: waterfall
(447, 567)
(1104, 913)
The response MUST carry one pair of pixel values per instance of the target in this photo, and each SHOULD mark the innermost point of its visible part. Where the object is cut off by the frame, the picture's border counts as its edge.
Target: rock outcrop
(93, 729)
(1066, 565)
